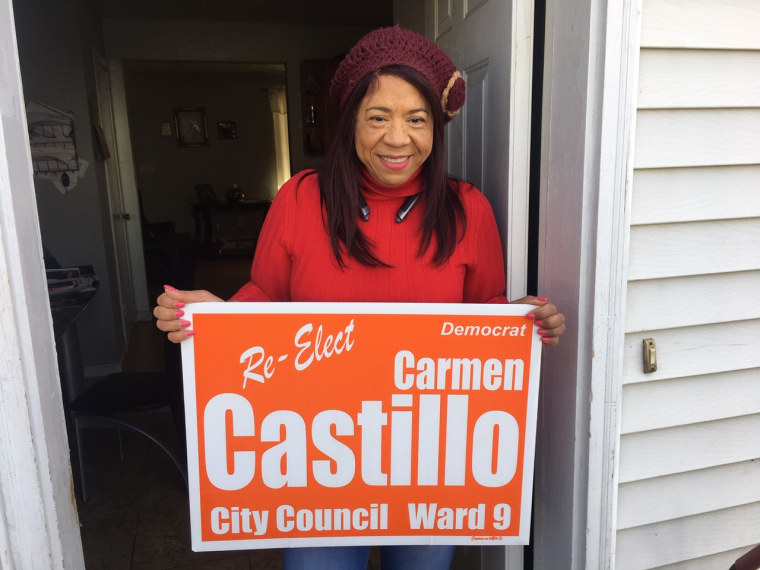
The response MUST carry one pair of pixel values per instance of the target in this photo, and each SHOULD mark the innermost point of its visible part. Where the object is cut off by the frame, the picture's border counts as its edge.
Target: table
(66, 309)
(230, 229)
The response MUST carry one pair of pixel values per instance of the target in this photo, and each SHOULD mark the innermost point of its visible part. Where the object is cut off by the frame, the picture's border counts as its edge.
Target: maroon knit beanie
(397, 46)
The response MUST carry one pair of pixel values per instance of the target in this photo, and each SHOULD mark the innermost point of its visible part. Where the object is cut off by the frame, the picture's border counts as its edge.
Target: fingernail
(184, 324)
(179, 305)
(189, 333)
(542, 331)
(545, 339)
(179, 314)
(169, 287)
(542, 298)
(539, 322)
(531, 315)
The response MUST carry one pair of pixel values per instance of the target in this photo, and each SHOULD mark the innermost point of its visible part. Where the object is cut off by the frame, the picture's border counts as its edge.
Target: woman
(379, 222)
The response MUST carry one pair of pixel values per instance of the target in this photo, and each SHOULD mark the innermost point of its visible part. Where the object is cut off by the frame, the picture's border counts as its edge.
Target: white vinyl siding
(694, 248)
(693, 194)
(696, 137)
(699, 79)
(700, 24)
(688, 538)
(689, 467)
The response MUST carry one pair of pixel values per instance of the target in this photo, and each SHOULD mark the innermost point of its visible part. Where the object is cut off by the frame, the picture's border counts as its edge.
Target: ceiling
(320, 12)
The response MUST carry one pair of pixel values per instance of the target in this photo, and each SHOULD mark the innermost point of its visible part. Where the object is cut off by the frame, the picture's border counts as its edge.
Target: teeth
(395, 160)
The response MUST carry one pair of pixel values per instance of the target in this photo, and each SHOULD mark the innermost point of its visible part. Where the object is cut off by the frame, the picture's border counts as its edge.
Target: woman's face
(394, 130)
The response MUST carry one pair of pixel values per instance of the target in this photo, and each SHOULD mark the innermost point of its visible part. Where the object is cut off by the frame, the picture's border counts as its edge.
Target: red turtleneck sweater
(294, 259)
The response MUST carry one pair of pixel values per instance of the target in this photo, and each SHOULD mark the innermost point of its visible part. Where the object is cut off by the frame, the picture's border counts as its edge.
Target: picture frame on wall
(190, 126)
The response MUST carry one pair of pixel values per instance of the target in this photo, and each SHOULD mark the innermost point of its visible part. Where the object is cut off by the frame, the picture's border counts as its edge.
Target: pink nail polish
(531, 315)
(545, 339)
(542, 332)
(542, 299)
(179, 305)
(539, 322)
(184, 324)
(189, 333)
(179, 314)
(169, 287)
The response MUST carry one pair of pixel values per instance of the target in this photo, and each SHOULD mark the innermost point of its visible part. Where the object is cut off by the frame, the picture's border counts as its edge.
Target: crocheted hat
(397, 46)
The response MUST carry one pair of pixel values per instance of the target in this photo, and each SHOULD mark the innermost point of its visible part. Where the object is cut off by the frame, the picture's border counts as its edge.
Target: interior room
(211, 108)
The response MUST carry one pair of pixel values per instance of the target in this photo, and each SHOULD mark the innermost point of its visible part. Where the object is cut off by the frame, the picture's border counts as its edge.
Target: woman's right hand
(169, 311)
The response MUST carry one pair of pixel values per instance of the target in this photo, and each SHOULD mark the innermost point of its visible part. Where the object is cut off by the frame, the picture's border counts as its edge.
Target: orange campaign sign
(325, 424)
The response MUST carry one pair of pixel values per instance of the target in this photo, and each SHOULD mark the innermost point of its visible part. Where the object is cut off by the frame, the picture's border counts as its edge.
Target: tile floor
(137, 515)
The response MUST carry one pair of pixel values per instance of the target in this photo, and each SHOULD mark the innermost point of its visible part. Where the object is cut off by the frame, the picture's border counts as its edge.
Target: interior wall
(55, 42)
(142, 40)
(166, 173)
(410, 14)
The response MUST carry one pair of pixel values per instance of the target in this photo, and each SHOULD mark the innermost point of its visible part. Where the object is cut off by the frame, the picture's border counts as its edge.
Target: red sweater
(294, 260)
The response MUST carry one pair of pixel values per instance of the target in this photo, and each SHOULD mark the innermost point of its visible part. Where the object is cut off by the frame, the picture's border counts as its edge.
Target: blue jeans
(356, 557)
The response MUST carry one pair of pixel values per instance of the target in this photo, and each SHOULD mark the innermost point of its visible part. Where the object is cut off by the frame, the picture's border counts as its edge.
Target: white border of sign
(188, 371)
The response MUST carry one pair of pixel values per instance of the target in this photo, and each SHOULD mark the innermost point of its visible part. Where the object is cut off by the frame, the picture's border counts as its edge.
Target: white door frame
(590, 81)
(117, 224)
(521, 89)
(38, 522)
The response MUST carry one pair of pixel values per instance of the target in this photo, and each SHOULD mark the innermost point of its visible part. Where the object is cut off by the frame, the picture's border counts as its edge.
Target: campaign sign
(324, 424)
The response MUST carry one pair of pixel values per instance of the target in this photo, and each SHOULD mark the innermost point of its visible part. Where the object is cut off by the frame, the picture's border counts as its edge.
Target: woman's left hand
(550, 322)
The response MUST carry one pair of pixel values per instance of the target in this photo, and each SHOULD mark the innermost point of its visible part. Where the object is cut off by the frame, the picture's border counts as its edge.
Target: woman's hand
(169, 313)
(551, 322)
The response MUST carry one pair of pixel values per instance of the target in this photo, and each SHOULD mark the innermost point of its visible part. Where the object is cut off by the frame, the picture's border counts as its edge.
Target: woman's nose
(396, 134)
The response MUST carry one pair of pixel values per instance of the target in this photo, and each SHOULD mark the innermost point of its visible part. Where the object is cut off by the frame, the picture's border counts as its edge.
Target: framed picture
(190, 126)
(226, 129)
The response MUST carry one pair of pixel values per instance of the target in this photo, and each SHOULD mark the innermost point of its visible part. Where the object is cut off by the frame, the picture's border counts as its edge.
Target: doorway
(205, 188)
(145, 40)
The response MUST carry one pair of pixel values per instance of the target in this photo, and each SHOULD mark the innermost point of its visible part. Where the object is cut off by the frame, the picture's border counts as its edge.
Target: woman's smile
(395, 162)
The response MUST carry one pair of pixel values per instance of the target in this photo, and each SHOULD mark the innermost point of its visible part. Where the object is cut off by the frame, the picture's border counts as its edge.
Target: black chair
(104, 404)
(100, 406)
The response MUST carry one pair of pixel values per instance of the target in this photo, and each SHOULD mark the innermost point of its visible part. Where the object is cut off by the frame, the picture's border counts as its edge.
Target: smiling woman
(381, 221)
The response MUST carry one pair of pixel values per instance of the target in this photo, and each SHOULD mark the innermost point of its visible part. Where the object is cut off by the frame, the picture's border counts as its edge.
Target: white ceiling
(343, 12)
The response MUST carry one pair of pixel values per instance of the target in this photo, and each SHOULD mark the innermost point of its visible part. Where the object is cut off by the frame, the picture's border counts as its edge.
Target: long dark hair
(339, 181)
